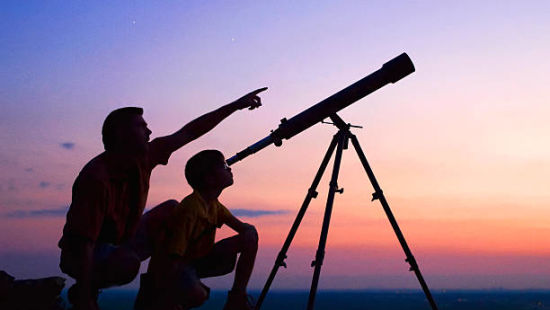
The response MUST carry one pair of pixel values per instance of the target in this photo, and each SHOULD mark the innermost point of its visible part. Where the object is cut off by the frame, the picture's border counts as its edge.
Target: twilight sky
(460, 147)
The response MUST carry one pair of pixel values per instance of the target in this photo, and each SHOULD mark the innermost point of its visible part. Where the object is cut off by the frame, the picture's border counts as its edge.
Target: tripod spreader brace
(281, 259)
(377, 195)
(412, 262)
(334, 186)
(319, 258)
(312, 193)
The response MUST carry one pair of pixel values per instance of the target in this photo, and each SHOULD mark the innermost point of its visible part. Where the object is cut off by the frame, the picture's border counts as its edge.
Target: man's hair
(200, 165)
(115, 120)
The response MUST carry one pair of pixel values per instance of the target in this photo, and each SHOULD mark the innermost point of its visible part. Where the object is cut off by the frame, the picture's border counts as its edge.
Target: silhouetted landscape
(371, 299)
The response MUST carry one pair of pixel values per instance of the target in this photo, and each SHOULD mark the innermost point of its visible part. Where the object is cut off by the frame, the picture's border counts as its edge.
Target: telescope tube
(391, 72)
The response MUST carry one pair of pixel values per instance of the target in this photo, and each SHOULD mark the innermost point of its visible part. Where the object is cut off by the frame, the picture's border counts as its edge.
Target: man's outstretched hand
(250, 100)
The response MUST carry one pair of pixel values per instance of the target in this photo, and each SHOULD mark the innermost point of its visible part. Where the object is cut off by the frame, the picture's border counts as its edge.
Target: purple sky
(460, 146)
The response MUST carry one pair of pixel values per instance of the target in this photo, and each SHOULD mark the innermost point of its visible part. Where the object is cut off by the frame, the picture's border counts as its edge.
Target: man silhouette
(99, 246)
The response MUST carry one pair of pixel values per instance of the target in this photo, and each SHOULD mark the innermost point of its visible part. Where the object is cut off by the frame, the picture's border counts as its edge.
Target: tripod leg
(378, 194)
(320, 255)
(310, 195)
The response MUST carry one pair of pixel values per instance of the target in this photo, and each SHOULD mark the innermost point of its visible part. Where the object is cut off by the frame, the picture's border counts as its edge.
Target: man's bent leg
(151, 229)
(115, 265)
(112, 265)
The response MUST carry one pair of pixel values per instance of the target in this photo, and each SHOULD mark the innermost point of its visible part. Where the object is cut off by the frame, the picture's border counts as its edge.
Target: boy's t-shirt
(191, 230)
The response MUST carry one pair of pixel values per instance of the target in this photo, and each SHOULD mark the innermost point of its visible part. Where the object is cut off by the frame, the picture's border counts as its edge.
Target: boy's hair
(115, 120)
(200, 165)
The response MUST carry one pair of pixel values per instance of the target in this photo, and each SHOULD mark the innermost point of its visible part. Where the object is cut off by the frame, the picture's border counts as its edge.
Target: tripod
(339, 142)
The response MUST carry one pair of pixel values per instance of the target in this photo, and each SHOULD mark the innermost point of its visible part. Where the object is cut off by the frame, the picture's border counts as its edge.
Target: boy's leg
(245, 264)
(221, 260)
(183, 290)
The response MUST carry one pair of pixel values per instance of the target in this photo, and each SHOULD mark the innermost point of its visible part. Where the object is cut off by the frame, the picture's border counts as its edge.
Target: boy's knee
(250, 236)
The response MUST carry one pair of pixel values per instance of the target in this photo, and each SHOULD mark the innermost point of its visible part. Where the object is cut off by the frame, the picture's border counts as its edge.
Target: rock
(30, 294)
(6, 284)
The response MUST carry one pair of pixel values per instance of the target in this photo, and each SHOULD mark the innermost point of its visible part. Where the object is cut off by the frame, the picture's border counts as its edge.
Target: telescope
(391, 72)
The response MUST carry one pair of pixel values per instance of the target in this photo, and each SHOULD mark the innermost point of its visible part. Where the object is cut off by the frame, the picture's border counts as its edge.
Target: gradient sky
(460, 147)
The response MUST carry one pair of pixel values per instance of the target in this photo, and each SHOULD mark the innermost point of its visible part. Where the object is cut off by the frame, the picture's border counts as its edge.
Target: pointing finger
(257, 91)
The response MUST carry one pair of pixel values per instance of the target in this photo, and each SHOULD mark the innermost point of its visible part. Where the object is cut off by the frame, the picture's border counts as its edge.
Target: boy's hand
(247, 226)
(250, 100)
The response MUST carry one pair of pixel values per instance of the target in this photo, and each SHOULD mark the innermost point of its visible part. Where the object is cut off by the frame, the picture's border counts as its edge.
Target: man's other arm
(85, 299)
(85, 220)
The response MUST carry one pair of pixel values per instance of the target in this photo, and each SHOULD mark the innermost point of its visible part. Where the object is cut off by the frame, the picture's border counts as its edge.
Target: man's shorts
(70, 261)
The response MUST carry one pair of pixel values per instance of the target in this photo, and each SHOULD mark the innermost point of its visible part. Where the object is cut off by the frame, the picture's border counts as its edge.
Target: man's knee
(153, 220)
(130, 271)
(170, 203)
(151, 228)
(197, 296)
(122, 267)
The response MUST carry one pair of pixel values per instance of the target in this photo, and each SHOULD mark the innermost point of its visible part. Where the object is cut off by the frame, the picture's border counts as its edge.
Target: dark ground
(374, 300)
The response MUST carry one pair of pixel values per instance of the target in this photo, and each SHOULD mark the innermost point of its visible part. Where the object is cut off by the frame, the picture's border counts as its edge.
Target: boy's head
(208, 170)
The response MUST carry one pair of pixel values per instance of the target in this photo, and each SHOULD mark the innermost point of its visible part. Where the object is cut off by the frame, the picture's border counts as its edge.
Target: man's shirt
(191, 231)
(109, 196)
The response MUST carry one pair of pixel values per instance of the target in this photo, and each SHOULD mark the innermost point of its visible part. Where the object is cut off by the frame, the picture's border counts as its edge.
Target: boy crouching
(187, 250)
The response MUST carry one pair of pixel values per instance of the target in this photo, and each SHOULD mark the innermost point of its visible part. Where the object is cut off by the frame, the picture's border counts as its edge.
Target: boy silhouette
(188, 251)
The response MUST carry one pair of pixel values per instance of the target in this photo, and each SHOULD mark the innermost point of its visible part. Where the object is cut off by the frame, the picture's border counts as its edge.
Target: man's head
(125, 130)
(208, 170)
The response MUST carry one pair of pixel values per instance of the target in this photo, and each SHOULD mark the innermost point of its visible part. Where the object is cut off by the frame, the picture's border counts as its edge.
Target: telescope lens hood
(398, 68)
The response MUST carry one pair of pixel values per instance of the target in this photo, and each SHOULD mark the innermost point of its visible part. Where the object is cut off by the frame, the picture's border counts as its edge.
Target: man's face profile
(135, 135)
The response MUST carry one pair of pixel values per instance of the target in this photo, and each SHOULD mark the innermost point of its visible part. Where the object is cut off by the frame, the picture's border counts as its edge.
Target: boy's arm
(208, 121)
(238, 226)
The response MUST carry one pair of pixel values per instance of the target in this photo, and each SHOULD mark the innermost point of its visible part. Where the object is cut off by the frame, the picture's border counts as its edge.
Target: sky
(460, 147)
